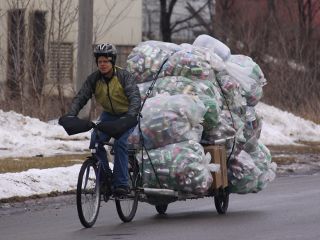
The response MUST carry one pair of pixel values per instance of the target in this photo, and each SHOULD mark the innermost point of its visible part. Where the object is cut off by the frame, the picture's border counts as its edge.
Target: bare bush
(283, 41)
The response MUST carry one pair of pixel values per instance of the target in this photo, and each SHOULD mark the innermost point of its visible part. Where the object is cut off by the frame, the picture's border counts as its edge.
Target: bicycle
(89, 184)
(92, 183)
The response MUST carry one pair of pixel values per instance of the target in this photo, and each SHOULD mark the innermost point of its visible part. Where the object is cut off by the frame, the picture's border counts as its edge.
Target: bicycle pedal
(121, 196)
(106, 197)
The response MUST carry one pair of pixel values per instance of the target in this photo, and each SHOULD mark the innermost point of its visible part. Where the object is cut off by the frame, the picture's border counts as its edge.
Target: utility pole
(84, 58)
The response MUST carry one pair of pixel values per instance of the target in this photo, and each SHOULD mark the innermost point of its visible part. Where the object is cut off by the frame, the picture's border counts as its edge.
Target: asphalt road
(287, 209)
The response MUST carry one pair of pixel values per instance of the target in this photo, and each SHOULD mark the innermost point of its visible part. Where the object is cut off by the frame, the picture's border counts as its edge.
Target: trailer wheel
(161, 209)
(221, 201)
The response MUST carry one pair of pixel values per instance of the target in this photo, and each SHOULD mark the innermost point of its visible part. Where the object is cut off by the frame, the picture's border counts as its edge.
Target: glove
(74, 125)
(118, 127)
(64, 118)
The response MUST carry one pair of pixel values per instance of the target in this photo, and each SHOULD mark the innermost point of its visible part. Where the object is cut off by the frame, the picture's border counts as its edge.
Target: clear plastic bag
(205, 90)
(181, 166)
(224, 130)
(200, 70)
(243, 174)
(232, 93)
(147, 57)
(169, 119)
(251, 172)
(194, 64)
(249, 75)
(214, 45)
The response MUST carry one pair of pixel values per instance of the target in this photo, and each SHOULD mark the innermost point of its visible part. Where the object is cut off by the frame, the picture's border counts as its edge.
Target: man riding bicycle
(115, 89)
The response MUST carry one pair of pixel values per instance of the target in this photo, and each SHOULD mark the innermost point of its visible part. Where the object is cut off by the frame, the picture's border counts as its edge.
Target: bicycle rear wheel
(127, 205)
(88, 193)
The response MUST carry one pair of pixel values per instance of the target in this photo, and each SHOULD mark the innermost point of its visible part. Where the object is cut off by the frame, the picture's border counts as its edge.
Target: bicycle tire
(88, 193)
(127, 205)
(221, 201)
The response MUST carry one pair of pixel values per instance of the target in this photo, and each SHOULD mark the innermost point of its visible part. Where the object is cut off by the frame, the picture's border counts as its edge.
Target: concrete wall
(117, 22)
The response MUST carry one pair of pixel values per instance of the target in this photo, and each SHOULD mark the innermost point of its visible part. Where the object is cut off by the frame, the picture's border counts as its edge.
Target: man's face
(104, 65)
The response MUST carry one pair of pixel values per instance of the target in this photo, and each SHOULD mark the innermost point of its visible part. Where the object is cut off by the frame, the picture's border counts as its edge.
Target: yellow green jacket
(117, 95)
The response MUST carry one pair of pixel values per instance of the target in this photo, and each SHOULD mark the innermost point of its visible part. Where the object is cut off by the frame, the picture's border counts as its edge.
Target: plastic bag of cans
(205, 90)
(229, 86)
(249, 75)
(181, 166)
(182, 85)
(232, 92)
(262, 159)
(170, 119)
(224, 130)
(147, 57)
(251, 172)
(194, 64)
(252, 129)
(214, 45)
(243, 174)
(143, 88)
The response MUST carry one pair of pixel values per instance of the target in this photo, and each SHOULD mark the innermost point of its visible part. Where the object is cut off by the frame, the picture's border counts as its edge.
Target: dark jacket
(129, 86)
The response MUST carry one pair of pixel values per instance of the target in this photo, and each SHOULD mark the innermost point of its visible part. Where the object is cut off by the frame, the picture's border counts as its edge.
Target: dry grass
(18, 199)
(285, 155)
(284, 160)
(281, 155)
(305, 147)
(23, 164)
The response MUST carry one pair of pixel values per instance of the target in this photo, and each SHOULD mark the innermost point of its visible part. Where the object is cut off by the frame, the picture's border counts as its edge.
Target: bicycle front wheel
(127, 205)
(88, 193)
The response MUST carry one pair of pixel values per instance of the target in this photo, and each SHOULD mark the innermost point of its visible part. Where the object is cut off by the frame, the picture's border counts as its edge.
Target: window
(61, 62)
(16, 50)
(37, 45)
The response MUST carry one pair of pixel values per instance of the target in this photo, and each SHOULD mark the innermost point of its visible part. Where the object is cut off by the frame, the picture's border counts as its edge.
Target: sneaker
(121, 190)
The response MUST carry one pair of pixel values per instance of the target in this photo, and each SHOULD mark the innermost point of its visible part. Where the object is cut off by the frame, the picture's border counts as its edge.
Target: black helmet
(106, 50)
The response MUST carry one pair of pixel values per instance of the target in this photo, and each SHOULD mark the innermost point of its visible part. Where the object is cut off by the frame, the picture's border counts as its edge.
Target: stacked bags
(203, 94)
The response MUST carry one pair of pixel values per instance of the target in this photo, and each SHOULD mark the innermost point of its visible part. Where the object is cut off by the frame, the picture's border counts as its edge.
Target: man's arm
(82, 97)
(132, 92)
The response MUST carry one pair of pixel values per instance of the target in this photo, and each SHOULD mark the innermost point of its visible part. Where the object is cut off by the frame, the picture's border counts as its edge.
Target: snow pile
(25, 136)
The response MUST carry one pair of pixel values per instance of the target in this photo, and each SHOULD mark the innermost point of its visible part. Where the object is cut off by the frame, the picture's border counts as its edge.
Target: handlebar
(74, 125)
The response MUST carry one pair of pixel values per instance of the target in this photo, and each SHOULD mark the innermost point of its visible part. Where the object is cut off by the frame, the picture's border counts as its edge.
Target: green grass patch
(23, 164)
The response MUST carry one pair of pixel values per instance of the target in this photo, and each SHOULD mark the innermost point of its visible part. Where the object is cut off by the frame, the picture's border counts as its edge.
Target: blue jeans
(120, 168)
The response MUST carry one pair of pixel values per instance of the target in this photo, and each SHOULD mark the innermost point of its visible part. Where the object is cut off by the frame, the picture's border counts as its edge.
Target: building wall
(117, 22)
(123, 25)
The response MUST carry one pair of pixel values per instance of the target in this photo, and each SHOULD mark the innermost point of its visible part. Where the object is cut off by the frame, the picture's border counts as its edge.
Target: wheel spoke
(88, 194)
(127, 206)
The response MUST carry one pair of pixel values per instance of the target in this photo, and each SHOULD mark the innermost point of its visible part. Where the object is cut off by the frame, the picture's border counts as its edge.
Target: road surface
(288, 209)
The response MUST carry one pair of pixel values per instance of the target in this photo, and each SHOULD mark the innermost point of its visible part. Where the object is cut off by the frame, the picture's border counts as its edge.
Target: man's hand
(118, 127)
(74, 125)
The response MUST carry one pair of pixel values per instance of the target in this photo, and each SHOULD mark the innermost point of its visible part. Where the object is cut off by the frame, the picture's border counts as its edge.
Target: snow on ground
(284, 128)
(25, 136)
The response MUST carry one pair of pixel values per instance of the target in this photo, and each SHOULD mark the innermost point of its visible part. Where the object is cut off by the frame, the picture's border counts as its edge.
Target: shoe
(121, 191)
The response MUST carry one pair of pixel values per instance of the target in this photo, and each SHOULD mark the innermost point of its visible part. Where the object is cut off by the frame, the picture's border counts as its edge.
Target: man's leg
(120, 169)
(100, 138)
